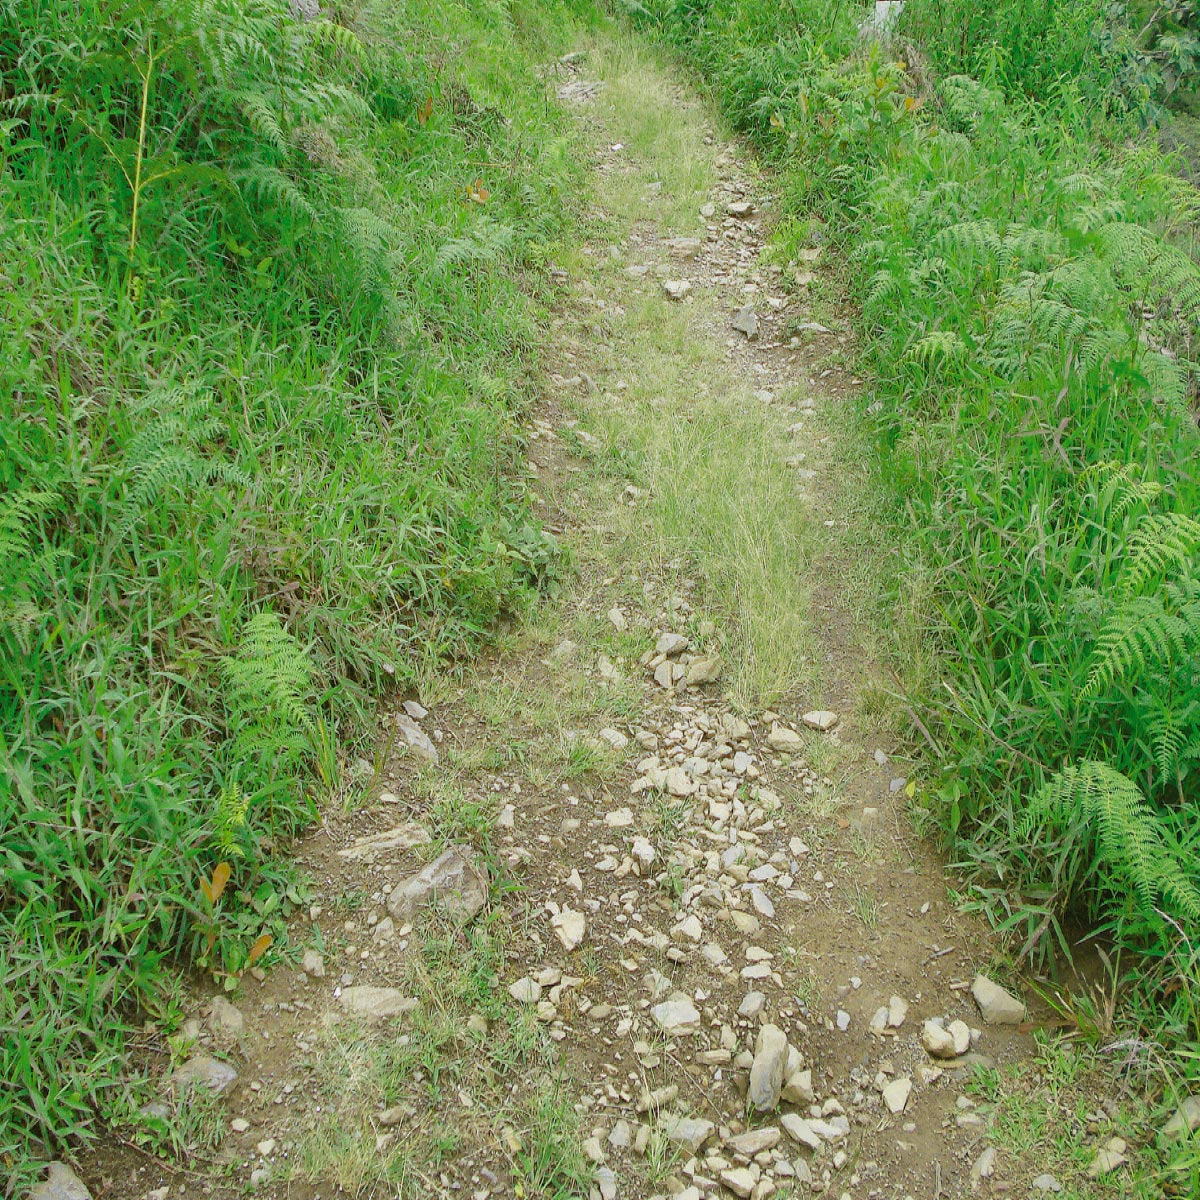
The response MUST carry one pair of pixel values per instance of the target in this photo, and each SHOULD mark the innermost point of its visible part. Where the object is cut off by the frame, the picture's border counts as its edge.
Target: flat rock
(688, 1133)
(570, 927)
(984, 1166)
(416, 710)
(525, 991)
(671, 644)
(996, 1006)
(740, 208)
(897, 1010)
(452, 881)
(1045, 1183)
(61, 1183)
(684, 247)
(896, 1094)
(820, 718)
(704, 670)
(1108, 1158)
(676, 289)
(376, 1003)
(677, 1015)
(785, 740)
(739, 1180)
(313, 964)
(399, 837)
(960, 1031)
(766, 1072)
(416, 738)
(204, 1071)
(745, 321)
(754, 1141)
(226, 1018)
(800, 1130)
(1185, 1120)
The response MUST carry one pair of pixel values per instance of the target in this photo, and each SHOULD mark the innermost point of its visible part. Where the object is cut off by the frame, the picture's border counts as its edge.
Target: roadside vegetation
(270, 297)
(1023, 259)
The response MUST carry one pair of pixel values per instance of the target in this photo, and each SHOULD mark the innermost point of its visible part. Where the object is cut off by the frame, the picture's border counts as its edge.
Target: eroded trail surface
(684, 941)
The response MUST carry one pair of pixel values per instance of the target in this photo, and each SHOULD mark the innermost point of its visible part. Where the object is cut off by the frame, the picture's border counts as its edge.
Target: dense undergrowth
(268, 297)
(1026, 275)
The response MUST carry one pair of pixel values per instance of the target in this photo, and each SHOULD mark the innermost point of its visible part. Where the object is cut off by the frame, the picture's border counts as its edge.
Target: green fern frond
(232, 809)
(1149, 266)
(1140, 636)
(1160, 541)
(1130, 848)
(939, 346)
(270, 677)
(976, 242)
(1119, 486)
(271, 187)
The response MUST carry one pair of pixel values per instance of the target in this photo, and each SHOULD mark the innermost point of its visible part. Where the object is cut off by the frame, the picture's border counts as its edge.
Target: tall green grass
(269, 296)
(1029, 304)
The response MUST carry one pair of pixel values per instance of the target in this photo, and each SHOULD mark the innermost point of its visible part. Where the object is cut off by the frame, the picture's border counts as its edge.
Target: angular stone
(226, 1018)
(754, 1141)
(676, 1016)
(525, 991)
(204, 1071)
(676, 289)
(418, 740)
(766, 1072)
(688, 1133)
(313, 964)
(453, 881)
(745, 321)
(996, 1006)
(671, 644)
(61, 1183)
(937, 1040)
(399, 837)
(570, 927)
(1045, 1183)
(739, 1180)
(377, 1003)
(798, 1089)
(684, 247)
(800, 1130)
(820, 718)
(704, 670)
(740, 208)
(896, 1094)
(679, 783)
(960, 1031)
(1185, 1120)
(896, 1012)
(785, 740)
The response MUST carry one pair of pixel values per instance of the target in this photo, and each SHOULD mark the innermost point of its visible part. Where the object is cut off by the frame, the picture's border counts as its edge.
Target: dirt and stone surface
(587, 899)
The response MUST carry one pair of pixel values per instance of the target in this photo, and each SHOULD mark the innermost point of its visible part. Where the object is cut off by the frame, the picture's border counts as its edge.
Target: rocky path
(603, 922)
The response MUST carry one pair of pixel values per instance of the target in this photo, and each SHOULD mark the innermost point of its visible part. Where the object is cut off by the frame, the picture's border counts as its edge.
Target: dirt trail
(673, 867)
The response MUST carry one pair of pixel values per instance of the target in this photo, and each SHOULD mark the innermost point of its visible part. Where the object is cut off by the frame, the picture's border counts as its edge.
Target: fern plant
(1119, 818)
(268, 691)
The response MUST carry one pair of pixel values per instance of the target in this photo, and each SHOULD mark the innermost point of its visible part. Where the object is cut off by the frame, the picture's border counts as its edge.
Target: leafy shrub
(257, 455)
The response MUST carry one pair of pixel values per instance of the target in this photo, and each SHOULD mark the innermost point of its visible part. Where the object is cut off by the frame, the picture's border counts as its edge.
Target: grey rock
(996, 1006)
(800, 1130)
(938, 1040)
(821, 719)
(739, 1180)
(204, 1071)
(740, 208)
(785, 740)
(313, 964)
(416, 737)
(704, 670)
(676, 289)
(754, 1141)
(399, 837)
(1185, 1120)
(675, 1016)
(452, 881)
(1046, 1183)
(377, 1003)
(226, 1018)
(61, 1183)
(745, 321)
(418, 712)
(766, 1072)
(688, 1133)
(671, 644)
